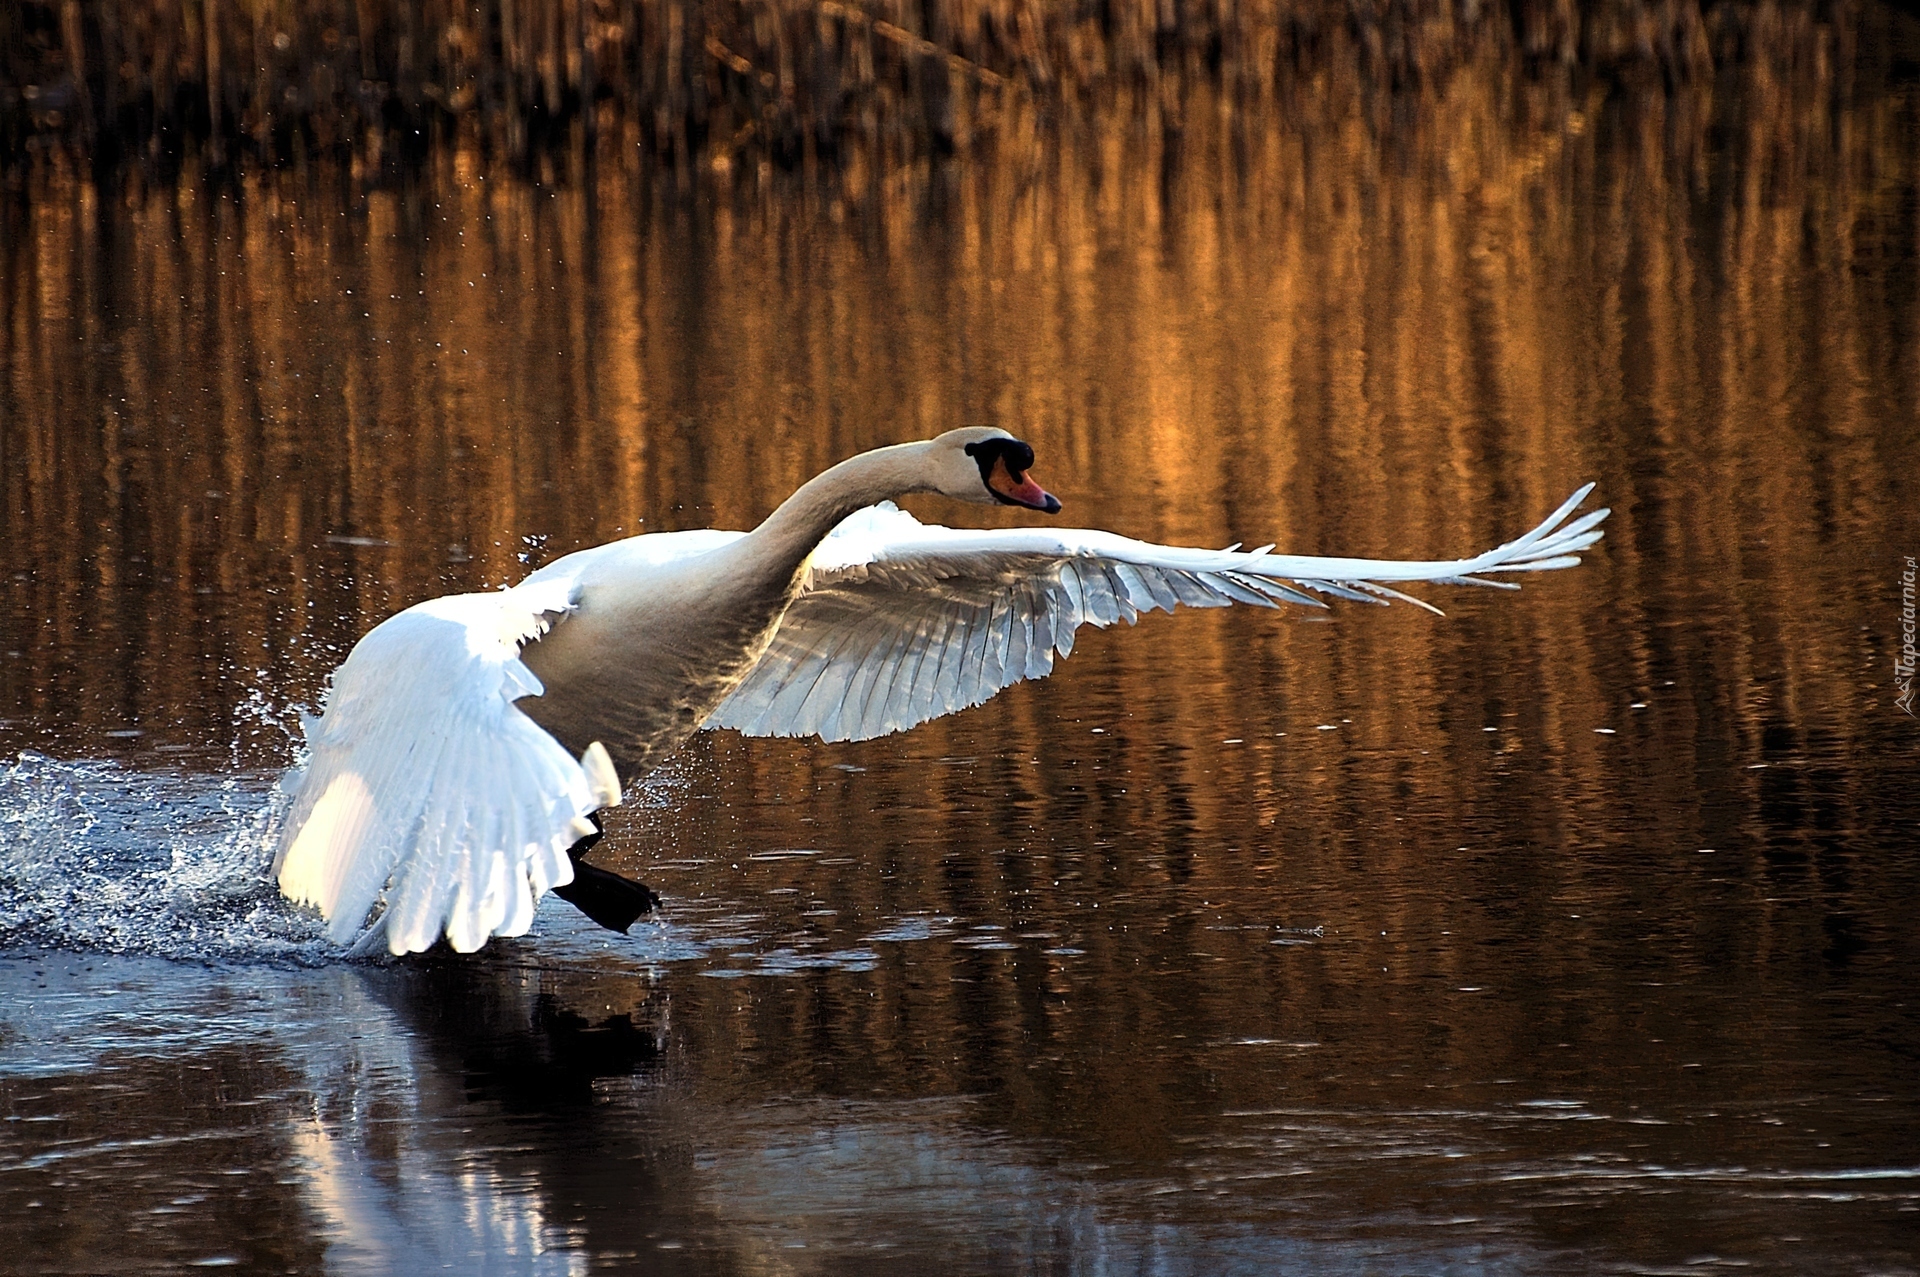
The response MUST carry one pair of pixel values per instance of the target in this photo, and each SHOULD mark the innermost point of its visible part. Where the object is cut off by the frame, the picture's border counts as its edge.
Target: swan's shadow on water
(592, 1122)
(532, 1040)
(509, 1116)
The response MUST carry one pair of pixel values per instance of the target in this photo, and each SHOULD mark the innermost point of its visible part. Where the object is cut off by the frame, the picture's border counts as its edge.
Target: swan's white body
(467, 739)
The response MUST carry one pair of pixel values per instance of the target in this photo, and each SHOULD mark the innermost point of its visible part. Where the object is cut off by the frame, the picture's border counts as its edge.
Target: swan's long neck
(781, 544)
(648, 653)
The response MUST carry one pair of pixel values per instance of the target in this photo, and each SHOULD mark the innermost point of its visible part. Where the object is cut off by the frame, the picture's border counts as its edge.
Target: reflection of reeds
(788, 80)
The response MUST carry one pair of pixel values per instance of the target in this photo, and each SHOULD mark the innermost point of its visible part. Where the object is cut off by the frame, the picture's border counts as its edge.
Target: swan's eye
(1014, 455)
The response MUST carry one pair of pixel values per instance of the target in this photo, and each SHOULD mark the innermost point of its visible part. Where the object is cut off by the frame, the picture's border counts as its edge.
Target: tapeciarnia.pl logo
(1903, 662)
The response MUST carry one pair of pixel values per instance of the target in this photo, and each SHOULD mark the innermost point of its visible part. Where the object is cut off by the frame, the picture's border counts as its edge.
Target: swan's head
(986, 464)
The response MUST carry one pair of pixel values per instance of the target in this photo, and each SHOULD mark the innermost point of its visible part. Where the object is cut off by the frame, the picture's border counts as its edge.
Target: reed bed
(786, 82)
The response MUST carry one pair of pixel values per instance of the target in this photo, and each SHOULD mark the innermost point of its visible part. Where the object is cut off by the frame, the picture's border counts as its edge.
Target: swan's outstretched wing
(425, 783)
(900, 622)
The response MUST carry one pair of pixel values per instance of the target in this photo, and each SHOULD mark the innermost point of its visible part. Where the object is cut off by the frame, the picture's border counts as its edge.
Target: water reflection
(1570, 930)
(379, 1117)
(496, 1116)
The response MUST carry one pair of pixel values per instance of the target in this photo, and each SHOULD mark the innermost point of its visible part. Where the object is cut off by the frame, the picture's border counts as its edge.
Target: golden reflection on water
(1639, 818)
(244, 424)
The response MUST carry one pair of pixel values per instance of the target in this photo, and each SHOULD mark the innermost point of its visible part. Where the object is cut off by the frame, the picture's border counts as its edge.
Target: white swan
(468, 741)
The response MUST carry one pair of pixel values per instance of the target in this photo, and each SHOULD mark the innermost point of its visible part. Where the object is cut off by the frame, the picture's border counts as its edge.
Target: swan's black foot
(607, 898)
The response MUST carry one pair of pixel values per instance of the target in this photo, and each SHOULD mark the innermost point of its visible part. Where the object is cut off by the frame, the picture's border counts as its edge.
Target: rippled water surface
(1570, 932)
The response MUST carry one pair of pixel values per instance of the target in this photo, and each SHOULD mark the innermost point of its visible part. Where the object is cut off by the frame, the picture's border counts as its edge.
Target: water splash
(100, 857)
(266, 726)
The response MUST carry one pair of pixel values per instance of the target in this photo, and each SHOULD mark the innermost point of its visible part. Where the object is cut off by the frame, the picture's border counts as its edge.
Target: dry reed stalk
(379, 81)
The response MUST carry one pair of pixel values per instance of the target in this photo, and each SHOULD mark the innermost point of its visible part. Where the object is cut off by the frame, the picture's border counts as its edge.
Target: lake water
(1571, 932)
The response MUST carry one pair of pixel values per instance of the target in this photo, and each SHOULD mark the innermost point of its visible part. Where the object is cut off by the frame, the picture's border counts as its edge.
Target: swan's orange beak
(1015, 488)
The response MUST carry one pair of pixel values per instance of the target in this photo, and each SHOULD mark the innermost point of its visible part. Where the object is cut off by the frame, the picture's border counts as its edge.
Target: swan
(468, 742)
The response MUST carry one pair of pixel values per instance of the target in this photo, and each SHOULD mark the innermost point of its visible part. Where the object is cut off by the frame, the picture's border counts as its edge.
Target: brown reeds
(789, 81)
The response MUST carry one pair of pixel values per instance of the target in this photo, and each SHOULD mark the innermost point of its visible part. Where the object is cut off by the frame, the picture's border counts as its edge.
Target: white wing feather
(899, 622)
(426, 785)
